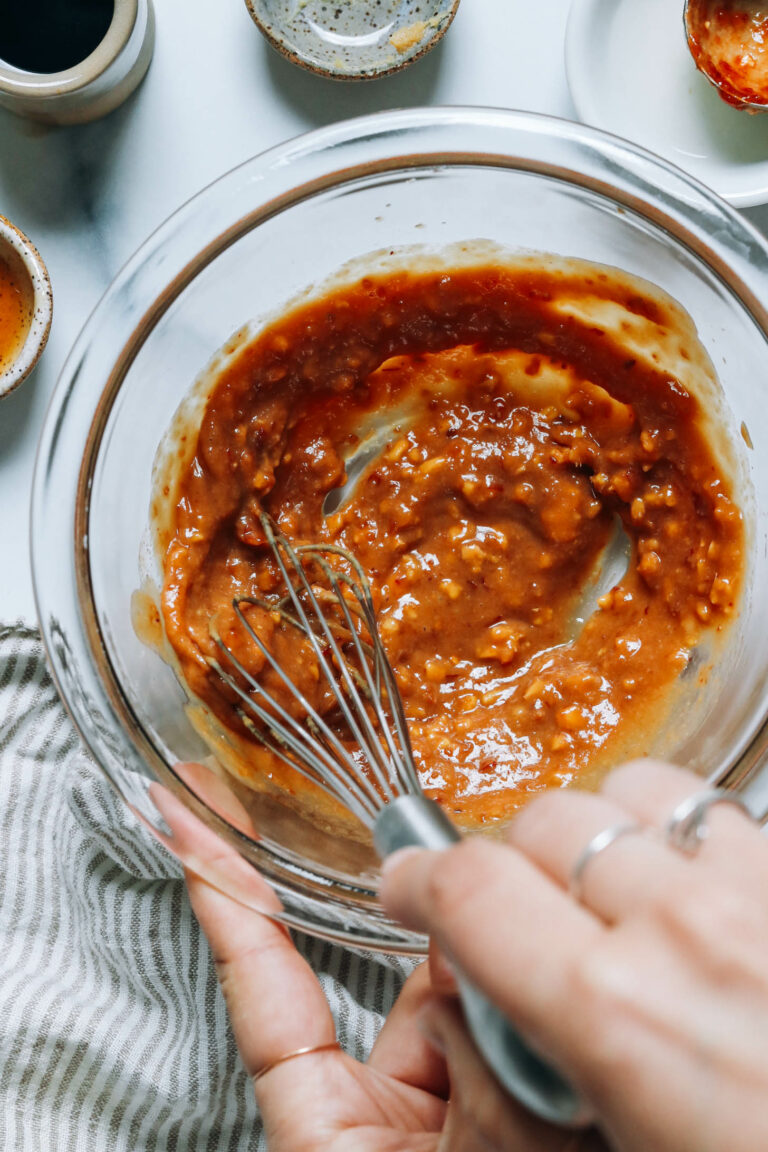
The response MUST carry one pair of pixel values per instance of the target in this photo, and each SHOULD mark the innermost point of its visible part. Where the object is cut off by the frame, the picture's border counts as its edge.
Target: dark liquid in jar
(52, 35)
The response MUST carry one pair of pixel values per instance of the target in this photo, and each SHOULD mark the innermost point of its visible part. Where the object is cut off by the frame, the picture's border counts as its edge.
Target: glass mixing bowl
(238, 250)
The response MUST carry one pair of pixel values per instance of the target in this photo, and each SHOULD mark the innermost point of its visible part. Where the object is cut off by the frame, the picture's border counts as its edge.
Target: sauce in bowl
(16, 306)
(516, 411)
(729, 42)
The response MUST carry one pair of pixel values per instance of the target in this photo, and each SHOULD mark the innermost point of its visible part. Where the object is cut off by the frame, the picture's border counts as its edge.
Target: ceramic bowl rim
(290, 52)
(42, 309)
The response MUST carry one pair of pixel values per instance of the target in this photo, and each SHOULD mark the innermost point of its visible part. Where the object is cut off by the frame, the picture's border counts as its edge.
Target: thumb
(480, 1113)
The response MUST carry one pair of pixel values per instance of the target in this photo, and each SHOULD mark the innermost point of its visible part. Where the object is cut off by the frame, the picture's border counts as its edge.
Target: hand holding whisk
(351, 739)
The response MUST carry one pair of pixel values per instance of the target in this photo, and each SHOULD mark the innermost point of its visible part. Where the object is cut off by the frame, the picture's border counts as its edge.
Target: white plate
(630, 72)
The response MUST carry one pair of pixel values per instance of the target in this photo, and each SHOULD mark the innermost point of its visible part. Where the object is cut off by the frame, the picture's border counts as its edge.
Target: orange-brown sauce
(521, 431)
(15, 314)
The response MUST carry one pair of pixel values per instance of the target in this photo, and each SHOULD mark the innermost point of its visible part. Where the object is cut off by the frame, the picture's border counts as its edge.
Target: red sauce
(729, 42)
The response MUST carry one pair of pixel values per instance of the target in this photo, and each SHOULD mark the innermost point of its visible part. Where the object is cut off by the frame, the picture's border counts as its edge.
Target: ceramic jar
(96, 85)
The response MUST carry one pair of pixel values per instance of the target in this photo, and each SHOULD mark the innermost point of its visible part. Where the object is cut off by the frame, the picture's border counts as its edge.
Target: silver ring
(686, 830)
(596, 845)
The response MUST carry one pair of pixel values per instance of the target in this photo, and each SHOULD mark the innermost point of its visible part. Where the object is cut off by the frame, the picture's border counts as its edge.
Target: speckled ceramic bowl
(30, 272)
(353, 39)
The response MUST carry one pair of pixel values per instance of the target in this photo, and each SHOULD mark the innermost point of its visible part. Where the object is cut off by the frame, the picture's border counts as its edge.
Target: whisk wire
(402, 753)
(400, 760)
(358, 676)
(369, 743)
(385, 766)
(401, 770)
(311, 756)
(361, 590)
(407, 769)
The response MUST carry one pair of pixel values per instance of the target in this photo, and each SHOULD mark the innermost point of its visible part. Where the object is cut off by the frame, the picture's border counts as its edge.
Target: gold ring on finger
(293, 1056)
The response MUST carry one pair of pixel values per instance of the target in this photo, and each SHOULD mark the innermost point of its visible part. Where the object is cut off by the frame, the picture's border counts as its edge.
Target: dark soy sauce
(51, 35)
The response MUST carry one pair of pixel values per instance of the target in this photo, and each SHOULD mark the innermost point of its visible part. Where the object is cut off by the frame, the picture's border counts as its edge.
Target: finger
(276, 1005)
(274, 1001)
(204, 852)
(651, 790)
(441, 972)
(495, 913)
(481, 1114)
(401, 1049)
(555, 829)
(217, 795)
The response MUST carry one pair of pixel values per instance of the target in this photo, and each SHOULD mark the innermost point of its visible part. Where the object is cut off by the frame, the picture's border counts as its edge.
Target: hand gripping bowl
(237, 251)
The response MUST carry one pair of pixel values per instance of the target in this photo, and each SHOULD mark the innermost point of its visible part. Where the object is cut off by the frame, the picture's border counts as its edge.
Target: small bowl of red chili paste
(729, 42)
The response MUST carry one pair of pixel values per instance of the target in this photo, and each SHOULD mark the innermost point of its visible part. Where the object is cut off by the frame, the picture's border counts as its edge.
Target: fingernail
(392, 862)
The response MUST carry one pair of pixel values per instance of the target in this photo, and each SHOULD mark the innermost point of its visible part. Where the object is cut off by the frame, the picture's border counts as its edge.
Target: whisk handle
(417, 822)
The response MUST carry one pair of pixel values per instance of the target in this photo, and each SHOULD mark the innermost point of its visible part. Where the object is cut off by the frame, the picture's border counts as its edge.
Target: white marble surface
(215, 95)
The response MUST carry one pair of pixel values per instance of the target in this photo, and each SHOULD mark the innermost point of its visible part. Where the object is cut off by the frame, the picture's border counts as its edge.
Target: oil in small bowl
(16, 308)
(26, 306)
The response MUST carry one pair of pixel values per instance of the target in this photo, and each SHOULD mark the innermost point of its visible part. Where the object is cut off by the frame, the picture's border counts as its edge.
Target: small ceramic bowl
(353, 39)
(94, 86)
(31, 276)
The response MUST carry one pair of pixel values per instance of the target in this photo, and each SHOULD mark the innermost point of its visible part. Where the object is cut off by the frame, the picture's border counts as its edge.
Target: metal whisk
(354, 744)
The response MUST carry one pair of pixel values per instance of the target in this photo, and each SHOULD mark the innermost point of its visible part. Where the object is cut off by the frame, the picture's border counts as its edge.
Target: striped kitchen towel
(113, 1033)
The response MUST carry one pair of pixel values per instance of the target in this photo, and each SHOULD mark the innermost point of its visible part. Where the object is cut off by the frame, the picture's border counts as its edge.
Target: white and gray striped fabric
(113, 1034)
